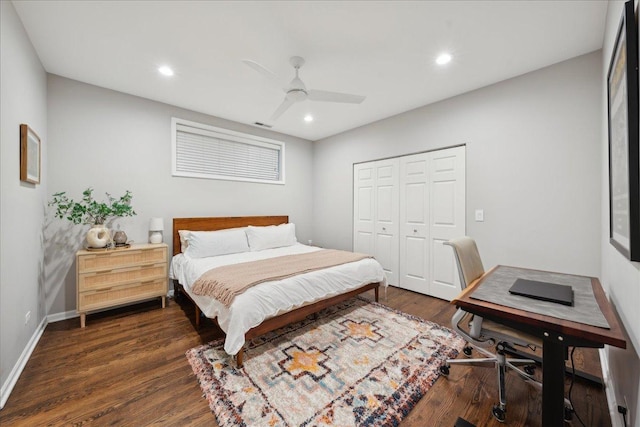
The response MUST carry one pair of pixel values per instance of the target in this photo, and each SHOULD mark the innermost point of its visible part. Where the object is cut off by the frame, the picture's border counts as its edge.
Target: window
(202, 151)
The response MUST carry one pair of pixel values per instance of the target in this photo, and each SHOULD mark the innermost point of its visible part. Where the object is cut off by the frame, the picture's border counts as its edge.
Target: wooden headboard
(220, 223)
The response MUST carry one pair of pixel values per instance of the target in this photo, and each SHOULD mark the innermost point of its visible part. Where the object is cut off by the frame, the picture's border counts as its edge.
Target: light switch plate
(479, 215)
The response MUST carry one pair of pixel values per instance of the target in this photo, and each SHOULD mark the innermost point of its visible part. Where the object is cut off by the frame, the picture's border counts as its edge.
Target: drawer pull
(104, 289)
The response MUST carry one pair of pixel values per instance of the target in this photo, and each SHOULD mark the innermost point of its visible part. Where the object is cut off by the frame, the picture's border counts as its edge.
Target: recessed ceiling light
(308, 118)
(165, 71)
(444, 58)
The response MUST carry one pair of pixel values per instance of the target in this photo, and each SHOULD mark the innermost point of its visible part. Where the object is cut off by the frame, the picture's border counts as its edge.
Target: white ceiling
(382, 49)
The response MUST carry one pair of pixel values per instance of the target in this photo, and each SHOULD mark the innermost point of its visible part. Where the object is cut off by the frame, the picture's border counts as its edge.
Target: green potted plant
(90, 211)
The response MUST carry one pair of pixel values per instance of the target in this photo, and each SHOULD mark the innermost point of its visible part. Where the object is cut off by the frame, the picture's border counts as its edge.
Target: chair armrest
(475, 327)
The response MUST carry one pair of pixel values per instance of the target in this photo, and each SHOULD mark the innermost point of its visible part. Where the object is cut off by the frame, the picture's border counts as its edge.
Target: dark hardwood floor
(128, 368)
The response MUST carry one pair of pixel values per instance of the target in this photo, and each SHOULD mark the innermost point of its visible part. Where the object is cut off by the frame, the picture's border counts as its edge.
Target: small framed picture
(29, 155)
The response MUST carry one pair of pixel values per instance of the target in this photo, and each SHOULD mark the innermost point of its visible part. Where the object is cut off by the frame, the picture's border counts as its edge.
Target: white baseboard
(609, 390)
(62, 316)
(11, 381)
(57, 317)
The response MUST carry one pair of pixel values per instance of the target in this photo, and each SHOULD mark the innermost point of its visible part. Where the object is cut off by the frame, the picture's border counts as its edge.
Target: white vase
(98, 236)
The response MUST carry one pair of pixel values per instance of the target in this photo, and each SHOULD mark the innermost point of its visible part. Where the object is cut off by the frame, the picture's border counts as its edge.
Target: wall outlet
(27, 317)
(479, 215)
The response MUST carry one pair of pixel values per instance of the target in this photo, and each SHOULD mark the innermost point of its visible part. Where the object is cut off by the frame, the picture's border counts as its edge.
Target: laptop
(552, 292)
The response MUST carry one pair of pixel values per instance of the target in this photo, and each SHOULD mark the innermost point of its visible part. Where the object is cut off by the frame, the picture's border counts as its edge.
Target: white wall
(115, 142)
(23, 86)
(620, 277)
(533, 165)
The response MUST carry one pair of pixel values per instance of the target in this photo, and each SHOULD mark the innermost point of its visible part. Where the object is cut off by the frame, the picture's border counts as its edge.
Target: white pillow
(204, 244)
(184, 239)
(271, 236)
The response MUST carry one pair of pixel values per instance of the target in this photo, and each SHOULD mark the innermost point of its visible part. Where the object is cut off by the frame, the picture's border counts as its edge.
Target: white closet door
(375, 206)
(447, 199)
(386, 217)
(404, 209)
(363, 207)
(414, 223)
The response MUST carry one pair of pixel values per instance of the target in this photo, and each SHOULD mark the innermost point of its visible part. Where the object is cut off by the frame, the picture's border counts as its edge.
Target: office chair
(481, 333)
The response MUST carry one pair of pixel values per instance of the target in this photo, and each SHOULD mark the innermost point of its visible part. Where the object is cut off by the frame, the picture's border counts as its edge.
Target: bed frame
(273, 323)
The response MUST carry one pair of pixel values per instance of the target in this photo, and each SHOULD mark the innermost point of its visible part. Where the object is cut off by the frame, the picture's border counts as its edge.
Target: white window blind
(202, 151)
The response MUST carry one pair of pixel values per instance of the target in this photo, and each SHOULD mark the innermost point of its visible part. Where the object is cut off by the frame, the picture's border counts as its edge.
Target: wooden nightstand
(114, 277)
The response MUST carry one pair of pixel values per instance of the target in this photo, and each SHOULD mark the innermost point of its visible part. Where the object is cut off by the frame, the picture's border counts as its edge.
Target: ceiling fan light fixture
(443, 58)
(308, 118)
(165, 71)
(296, 95)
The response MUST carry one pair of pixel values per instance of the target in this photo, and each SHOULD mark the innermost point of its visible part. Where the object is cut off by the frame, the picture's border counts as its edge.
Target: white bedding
(268, 299)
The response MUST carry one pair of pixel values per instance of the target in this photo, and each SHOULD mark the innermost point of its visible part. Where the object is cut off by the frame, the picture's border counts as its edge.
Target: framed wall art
(624, 153)
(29, 155)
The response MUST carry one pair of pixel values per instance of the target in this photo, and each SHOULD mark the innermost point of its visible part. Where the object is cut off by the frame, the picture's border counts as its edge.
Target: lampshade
(156, 224)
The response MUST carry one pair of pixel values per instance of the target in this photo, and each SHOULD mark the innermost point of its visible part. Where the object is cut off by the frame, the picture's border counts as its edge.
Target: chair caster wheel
(530, 370)
(467, 351)
(444, 370)
(498, 413)
(568, 413)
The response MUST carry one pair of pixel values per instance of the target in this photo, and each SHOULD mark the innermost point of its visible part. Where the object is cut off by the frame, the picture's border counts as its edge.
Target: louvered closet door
(363, 207)
(386, 217)
(447, 220)
(414, 223)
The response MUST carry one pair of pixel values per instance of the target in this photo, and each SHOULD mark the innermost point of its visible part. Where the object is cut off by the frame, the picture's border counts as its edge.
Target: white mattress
(268, 299)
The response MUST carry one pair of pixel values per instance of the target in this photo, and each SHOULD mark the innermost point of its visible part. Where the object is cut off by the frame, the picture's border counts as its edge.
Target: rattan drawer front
(108, 297)
(110, 278)
(120, 259)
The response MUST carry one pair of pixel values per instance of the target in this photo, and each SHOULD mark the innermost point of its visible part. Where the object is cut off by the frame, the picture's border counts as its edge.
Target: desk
(557, 335)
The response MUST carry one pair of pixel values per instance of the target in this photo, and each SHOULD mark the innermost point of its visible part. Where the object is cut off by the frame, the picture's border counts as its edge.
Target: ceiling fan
(296, 91)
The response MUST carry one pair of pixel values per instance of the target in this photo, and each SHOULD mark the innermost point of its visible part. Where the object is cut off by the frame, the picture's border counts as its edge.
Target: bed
(273, 304)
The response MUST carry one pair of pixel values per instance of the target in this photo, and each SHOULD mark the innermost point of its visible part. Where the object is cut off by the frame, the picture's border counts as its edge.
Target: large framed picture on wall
(624, 152)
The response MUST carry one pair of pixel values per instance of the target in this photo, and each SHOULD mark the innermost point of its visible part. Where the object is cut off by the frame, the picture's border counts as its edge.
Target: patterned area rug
(355, 364)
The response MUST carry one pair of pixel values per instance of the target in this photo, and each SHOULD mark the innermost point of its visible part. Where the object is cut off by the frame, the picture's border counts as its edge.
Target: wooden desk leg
(163, 301)
(83, 320)
(377, 293)
(553, 357)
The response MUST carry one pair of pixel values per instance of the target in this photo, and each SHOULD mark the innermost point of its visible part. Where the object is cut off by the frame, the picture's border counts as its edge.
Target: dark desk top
(584, 335)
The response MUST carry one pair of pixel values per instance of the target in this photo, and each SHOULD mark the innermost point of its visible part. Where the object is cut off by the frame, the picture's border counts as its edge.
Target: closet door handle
(384, 229)
(415, 230)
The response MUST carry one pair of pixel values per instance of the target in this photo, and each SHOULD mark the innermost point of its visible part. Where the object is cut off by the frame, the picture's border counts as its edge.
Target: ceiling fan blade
(264, 71)
(326, 96)
(282, 108)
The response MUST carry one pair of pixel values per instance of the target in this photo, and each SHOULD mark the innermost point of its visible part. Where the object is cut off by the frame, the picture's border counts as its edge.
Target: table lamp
(156, 226)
